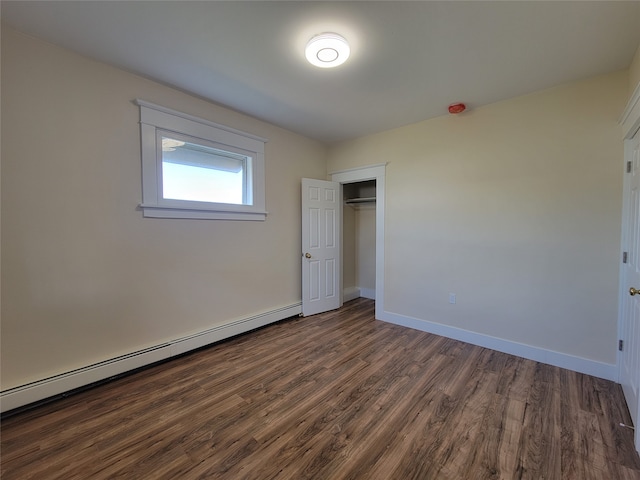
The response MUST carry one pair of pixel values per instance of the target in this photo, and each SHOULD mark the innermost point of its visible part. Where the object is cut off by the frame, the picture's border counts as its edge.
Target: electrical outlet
(452, 298)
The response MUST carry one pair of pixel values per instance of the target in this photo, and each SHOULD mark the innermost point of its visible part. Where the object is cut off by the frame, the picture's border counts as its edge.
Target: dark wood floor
(334, 396)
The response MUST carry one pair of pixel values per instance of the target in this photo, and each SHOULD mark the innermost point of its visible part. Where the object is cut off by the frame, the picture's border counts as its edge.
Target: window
(197, 171)
(193, 168)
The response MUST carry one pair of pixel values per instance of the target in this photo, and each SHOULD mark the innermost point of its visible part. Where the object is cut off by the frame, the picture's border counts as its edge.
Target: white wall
(84, 276)
(515, 207)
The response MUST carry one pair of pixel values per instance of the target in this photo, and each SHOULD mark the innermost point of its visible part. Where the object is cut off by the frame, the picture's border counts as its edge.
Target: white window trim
(154, 117)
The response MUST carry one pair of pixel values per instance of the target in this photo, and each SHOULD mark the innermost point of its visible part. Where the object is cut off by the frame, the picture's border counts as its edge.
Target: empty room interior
(328, 240)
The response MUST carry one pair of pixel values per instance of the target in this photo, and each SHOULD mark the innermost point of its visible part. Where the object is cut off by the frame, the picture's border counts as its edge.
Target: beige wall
(516, 208)
(84, 276)
(366, 246)
(349, 238)
(359, 247)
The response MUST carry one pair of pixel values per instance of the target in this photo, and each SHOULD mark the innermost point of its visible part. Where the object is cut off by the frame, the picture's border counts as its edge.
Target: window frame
(155, 120)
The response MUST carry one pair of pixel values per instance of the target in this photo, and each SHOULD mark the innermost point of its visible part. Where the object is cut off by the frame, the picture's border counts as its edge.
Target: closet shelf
(357, 201)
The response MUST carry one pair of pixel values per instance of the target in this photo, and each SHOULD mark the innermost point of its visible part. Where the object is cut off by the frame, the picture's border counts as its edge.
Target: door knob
(308, 255)
(633, 291)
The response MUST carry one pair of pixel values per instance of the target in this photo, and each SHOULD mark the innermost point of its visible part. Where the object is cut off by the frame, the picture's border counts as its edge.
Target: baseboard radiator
(56, 385)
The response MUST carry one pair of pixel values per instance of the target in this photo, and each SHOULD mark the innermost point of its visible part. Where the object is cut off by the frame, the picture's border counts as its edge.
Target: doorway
(363, 186)
(359, 240)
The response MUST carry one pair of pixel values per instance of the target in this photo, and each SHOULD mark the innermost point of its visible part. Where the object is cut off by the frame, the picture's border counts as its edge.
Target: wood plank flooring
(334, 396)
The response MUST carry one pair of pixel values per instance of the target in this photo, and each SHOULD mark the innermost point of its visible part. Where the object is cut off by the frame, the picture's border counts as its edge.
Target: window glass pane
(196, 172)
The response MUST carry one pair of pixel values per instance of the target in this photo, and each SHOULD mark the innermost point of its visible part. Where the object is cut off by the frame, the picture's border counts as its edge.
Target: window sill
(155, 211)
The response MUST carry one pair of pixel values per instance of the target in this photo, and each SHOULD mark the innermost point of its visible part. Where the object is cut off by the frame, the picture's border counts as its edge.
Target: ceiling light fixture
(327, 50)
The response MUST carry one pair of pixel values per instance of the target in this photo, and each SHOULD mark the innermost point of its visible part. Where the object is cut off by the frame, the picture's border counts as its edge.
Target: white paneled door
(321, 222)
(630, 335)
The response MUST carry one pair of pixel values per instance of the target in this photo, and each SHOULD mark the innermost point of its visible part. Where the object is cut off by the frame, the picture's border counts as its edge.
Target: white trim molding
(557, 359)
(192, 118)
(350, 293)
(369, 293)
(48, 387)
(630, 118)
(359, 172)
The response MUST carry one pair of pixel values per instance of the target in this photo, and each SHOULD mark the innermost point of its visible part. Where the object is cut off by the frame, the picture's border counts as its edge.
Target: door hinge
(620, 345)
(625, 257)
(629, 166)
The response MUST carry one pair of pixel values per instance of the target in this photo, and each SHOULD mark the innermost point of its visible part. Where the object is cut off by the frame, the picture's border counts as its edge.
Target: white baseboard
(563, 360)
(350, 293)
(48, 387)
(369, 293)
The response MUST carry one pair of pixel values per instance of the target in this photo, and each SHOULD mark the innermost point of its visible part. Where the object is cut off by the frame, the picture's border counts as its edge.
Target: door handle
(633, 291)
(308, 255)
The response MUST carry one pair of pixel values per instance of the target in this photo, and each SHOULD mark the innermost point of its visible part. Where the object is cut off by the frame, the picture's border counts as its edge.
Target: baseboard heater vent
(56, 385)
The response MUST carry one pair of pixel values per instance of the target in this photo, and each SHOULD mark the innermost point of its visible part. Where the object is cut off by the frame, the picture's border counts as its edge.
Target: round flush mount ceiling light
(327, 50)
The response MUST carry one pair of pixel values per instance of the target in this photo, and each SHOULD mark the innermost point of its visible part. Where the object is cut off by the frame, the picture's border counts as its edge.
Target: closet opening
(364, 181)
(359, 240)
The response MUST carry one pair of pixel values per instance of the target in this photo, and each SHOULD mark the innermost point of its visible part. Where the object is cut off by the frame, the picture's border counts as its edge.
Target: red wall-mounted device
(456, 108)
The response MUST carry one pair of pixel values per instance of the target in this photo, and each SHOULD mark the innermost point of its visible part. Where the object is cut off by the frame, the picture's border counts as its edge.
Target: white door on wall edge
(321, 222)
(630, 327)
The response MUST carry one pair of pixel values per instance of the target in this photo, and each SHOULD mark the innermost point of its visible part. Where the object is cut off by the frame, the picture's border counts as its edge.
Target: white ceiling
(409, 60)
